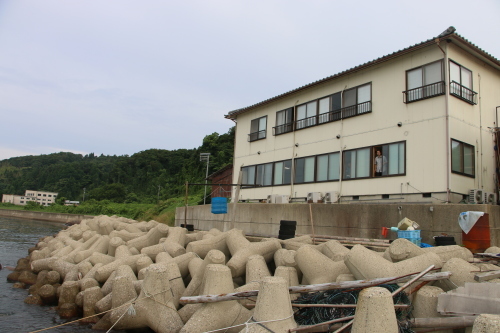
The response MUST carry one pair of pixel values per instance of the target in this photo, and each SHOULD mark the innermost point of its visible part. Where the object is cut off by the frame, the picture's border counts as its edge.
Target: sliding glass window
(282, 172)
(327, 167)
(304, 170)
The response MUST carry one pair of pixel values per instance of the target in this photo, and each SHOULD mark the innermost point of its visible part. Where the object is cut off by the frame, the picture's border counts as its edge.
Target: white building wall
(423, 129)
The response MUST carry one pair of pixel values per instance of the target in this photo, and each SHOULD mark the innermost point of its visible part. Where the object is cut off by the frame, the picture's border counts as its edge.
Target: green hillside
(143, 177)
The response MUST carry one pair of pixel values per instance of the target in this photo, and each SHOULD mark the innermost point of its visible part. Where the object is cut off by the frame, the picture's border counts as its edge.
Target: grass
(163, 212)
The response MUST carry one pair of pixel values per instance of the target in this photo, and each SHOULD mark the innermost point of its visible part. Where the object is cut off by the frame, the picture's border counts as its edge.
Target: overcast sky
(122, 76)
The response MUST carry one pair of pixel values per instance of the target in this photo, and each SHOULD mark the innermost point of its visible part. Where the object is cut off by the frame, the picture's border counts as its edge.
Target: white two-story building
(429, 111)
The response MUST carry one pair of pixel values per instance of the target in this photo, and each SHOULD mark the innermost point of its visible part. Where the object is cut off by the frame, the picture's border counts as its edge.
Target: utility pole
(205, 157)
(83, 194)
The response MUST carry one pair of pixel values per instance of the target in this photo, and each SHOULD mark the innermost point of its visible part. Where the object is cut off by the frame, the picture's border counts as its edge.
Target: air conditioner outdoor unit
(313, 197)
(282, 199)
(271, 198)
(490, 198)
(476, 196)
(331, 197)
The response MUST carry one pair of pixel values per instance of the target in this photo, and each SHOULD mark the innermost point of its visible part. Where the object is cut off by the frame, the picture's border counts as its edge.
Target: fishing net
(318, 315)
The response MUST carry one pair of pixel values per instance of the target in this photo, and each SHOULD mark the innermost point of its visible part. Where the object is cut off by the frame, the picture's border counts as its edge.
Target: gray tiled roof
(447, 34)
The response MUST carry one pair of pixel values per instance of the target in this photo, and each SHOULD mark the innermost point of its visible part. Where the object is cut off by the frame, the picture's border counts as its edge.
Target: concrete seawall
(43, 216)
(350, 220)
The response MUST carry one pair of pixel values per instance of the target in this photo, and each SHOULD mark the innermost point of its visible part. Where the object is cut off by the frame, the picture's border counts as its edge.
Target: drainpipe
(447, 118)
(480, 132)
(341, 147)
(292, 175)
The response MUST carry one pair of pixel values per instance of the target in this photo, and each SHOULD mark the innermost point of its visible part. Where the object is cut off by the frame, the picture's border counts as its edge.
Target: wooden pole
(437, 324)
(314, 287)
(397, 306)
(312, 221)
(403, 287)
(298, 329)
(186, 205)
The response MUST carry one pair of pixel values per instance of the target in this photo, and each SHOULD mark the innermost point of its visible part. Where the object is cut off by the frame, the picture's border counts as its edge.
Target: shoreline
(44, 216)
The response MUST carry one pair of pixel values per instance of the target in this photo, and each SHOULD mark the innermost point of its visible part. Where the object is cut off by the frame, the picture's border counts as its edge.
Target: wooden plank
(487, 276)
(315, 287)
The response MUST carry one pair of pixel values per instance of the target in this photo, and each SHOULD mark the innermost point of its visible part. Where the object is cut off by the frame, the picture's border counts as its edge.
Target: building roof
(449, 35)
(221, 170)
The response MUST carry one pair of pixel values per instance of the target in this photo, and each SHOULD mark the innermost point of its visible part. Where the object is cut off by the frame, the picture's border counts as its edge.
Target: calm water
(16, 237)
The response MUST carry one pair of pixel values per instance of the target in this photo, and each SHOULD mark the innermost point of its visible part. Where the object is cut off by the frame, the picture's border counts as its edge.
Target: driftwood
(487, 276)
(398, 306)
(314, 288)
(439, 323)
(340, 238)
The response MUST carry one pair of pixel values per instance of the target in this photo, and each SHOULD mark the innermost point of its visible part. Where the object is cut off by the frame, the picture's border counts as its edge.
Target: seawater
(16, 237)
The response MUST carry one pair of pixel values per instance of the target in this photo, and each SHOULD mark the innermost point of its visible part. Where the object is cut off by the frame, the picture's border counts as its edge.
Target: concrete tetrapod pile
(119, 273)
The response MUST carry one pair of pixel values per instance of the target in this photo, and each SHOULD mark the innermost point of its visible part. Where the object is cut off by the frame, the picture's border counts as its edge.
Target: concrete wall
(351, 220)
(42, 216)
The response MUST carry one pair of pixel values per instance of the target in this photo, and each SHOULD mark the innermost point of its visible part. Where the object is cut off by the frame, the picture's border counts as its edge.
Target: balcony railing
(462, 92)
(347, 112)
(256, 136)
(281, 129)
(424, 92)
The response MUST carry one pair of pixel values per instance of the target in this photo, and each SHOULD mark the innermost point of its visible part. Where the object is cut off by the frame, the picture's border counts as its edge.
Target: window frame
(334, 113)
(260, 134)
(458, 86)
(423, 89)
(286, 127)
(373, 149)
(296, 168)
(462, 159)
(328, 176)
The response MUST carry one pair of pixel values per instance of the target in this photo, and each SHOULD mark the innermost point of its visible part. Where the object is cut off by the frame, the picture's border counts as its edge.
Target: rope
(247, 324)
(131, 308)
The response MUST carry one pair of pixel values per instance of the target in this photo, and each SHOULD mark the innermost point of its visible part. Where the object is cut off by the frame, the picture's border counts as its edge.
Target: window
(258, 129)
(264, 175)
(357, 163)
(282, 172)
(50, 195)
(424, 82)
(356, 101)
(462, 158)
(390, 161)
(304, 170)
(461, 83)
(306, 115)
(39, 195)
(375, 161)
(284, 121)
(22, 201)
(248, 177)
(328, 167)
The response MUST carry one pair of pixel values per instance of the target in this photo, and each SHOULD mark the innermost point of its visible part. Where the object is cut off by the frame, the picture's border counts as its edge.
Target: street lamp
(205, 157)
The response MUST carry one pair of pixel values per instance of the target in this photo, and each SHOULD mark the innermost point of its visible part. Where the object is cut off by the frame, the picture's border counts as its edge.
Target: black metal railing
(347, 112)
(281, 129)
(462, 92)
(306, 122)
(257, 136)
(424, 92)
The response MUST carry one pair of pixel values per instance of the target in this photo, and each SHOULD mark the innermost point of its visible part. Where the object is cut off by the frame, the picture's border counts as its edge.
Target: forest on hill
(144, 177)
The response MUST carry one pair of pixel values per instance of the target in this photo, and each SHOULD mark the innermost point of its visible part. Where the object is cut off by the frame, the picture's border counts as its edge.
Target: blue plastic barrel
(219, 205)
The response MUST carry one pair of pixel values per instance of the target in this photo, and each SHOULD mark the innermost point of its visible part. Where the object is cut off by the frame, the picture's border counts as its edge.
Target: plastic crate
(416, 241)
(408, 233)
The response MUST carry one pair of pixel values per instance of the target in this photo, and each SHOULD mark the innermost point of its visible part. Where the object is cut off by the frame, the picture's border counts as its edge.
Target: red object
(478, 239)
(384, 231)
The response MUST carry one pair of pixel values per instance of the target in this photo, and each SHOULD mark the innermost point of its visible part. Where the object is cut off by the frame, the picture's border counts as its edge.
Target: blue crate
(416, 241)
(408, 233)
(219, 205)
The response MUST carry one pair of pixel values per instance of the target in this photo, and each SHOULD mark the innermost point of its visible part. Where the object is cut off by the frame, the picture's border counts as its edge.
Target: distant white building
(42, 197)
